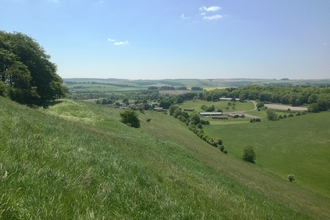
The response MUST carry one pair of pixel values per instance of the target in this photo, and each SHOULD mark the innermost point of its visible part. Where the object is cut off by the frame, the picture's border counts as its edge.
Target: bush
(260, 105)
(271, 115)
(130, 117)
(290, 177)
(204, 122)
(3, 89)
(249, 154)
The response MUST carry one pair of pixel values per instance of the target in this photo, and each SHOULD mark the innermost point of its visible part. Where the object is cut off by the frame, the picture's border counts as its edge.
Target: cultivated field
(285, 107)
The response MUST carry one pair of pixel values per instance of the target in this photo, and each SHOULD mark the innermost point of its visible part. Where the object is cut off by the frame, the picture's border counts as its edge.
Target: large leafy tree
(26, 70)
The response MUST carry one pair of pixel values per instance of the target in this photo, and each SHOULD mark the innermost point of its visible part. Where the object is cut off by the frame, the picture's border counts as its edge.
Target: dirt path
(285, 107)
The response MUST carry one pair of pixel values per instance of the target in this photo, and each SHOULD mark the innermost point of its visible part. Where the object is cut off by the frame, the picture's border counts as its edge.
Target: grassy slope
(85, 164)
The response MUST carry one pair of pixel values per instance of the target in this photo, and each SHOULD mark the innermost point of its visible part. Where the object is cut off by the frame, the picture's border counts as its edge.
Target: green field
(75, 160)
(298, 145)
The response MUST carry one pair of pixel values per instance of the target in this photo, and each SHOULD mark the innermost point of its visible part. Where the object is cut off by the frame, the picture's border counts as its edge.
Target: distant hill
(205, 83)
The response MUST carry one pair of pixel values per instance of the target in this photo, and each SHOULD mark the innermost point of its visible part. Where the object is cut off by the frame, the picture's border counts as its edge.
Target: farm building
(228, 99)
(236, 115)
(160, 109)
(189, 109)
(220, 117)
(205, 114)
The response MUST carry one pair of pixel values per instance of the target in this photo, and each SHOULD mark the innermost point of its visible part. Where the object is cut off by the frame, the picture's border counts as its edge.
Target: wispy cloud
(111, 40)
(121, 43)
(213, 17)
(57, 1)
(183, 17)
(212, 8)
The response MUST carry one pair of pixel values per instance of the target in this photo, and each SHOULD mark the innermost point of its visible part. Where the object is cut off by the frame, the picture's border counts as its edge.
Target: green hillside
(75, 160)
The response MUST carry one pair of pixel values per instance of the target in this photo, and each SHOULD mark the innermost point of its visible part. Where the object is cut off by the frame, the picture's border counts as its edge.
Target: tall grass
(55, 166)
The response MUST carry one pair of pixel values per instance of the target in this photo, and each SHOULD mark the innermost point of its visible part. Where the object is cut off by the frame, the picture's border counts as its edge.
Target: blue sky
(167, 39)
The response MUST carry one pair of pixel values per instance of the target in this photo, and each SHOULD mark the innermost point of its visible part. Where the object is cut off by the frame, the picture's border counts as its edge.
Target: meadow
(75, 160)
(298, 145)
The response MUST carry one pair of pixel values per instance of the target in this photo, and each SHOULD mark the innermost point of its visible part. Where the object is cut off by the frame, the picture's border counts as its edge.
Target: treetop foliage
(26, 74)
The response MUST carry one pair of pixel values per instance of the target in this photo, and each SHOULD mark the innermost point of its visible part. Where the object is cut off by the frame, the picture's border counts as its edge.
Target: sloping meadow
(55, 166)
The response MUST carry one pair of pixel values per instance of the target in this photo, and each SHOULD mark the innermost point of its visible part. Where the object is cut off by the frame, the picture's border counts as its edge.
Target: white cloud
(183, 17)
(111, 40)
(121, 43)
(213, 17)
(203, 13)
(212, 8)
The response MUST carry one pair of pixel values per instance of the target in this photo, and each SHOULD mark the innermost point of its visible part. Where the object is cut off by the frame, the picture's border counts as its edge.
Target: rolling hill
(75, 160)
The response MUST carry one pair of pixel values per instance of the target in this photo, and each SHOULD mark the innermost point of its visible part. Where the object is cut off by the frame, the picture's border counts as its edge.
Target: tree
(260, 104)
(314, 107)
(179, 100)
(271, 115)
(249, 154)
(130, 117)
(194, 118)
(171, 109)
(177, 113)
(26, 70)
(165, 103)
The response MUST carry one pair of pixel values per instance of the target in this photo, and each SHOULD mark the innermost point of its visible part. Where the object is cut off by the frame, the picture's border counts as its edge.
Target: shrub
(271, 115)
(181, 118)
(148, 120)
(130, 117)
(3, 89)
(249, 154)
(290, 177)
(260, 105)
(204, 122)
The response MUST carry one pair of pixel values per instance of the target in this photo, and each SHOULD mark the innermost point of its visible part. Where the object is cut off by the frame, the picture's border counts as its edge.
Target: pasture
(298, 145)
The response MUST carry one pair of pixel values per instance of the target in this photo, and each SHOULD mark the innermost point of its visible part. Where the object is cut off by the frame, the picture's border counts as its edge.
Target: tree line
(317, 97)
